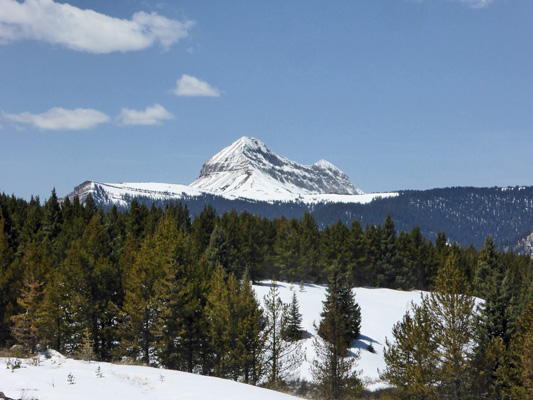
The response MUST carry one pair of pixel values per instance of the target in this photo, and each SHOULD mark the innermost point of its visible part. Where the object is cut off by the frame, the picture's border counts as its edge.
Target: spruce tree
(359, 267)
(494, 327)
(340, 307)
(334, 369)
(287, 249)
(219, 251)
(201, 229)
(254, 245)
(293, 330)
(392, 271)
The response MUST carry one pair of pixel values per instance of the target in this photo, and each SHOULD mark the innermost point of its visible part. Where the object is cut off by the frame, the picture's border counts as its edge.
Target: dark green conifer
(334, 368)
(293, 330)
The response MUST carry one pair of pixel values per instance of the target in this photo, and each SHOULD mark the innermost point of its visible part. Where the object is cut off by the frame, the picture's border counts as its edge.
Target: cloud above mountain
(86, 30)
(190, 86)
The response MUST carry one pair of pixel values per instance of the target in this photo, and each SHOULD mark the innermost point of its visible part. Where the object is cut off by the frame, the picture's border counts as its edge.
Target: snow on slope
(247, 166)
(49, 381)
(121, 193)
(380, 309)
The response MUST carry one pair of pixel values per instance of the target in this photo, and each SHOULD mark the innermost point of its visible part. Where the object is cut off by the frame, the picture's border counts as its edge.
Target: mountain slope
(248, 168)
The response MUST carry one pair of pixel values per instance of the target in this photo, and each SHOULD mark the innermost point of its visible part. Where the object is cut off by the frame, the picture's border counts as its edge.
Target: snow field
(48, 378)
(380, 310)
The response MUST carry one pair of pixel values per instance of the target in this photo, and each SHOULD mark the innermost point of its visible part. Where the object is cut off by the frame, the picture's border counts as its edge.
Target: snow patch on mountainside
(121, 194)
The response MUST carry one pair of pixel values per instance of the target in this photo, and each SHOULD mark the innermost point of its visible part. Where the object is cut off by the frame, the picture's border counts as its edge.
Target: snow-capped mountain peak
(248, 166)
(247, 170)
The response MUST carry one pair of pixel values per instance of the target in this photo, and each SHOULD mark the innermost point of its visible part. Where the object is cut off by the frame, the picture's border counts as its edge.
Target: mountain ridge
(466, 214)
(249, 167)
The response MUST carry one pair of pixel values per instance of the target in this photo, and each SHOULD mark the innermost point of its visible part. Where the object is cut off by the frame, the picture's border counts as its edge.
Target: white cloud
(86, 30)
(190, 86)
(60, 119)
(476, 3)
(151, 116)
(469, 3)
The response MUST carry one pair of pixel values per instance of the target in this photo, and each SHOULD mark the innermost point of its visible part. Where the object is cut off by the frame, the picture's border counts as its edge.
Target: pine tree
(153, 263)
(220, 312)
(411, 361)
(86, 350)
(52, 217)
(179, 329)
(308, 266)
(25, 326)
(453, 310)
(251, 333)
(6, 282)
(518, 372)
(432, 352)
(235, 325)
(282, 357)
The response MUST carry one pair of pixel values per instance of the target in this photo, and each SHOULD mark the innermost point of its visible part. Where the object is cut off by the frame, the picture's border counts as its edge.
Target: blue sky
(399, 94)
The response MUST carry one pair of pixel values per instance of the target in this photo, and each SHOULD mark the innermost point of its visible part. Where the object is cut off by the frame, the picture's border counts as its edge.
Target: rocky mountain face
(248, 166)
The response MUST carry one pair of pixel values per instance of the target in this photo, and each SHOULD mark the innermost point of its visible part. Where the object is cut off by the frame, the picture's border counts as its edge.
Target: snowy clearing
(48, 378)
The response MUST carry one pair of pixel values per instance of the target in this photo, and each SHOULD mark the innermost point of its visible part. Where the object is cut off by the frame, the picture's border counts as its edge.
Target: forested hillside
(153, 286)
(468, 215)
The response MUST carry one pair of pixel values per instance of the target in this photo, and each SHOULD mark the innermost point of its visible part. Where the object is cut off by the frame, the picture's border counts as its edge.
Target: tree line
(452, 346)
(152, 285)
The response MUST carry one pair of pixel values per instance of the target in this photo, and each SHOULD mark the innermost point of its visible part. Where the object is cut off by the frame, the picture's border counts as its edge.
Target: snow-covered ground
(380, 310)
(49, 377)
(103, 381)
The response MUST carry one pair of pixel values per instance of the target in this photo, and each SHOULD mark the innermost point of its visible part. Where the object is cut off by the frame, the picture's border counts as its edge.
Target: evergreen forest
(154, 286)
